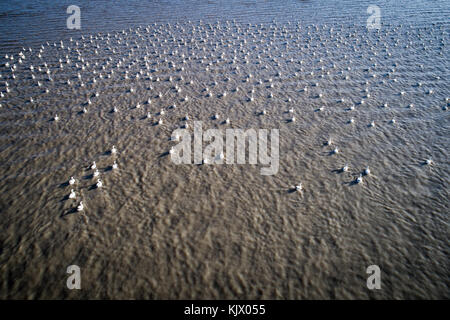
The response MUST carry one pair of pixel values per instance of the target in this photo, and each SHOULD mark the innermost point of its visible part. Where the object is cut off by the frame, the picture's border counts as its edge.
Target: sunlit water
(160, 230)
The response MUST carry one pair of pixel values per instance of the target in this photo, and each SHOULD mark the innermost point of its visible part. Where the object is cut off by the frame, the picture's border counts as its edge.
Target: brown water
(164, 231)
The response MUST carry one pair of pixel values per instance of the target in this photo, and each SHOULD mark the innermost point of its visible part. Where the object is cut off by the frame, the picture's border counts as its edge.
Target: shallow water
(165, 231)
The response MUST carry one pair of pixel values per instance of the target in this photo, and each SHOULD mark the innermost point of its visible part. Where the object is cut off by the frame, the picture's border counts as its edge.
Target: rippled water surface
(164, 231)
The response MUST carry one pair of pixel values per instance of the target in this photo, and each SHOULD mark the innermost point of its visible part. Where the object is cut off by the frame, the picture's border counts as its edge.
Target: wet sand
(163, 231)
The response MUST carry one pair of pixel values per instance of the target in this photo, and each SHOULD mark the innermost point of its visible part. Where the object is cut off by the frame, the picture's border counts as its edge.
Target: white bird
(299, 187)
(429, 162)
(71, 181)
(115, 166)
(72, 194)
(367, 171)
(99, 183)
(56, 118)
(359, 179)
(113, 149)
(336, 150)
(227, 121)
(94, 165)
(345, 168)
(80, 206)
(96, 173)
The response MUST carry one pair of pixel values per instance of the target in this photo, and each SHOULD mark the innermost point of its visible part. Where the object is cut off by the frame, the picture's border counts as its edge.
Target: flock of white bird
(96, 174)
(239, 60)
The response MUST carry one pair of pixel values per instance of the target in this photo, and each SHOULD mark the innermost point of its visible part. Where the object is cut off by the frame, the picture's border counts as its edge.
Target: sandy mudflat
(164, 231)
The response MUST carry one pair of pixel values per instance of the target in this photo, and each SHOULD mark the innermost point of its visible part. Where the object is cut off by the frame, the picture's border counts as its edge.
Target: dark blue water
(31, 22)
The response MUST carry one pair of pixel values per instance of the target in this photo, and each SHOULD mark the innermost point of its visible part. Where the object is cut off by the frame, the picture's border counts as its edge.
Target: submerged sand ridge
(341, 97)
